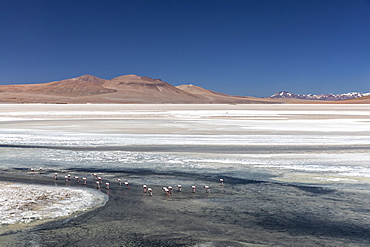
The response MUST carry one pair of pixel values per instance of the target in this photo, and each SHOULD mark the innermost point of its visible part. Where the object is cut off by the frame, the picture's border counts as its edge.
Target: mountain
(134, 89)
(75, 87)
(216, 97)
(199, 90)
(123, 89)
(137, 89)
(329, 97)
(91, 78)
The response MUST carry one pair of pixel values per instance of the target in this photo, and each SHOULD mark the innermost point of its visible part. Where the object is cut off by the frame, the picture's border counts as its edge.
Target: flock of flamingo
(99, 183)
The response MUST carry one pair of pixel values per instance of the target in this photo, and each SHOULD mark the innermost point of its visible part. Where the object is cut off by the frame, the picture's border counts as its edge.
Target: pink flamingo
(119, 181)
(55, 176)
(222, 182)
(77, 179)
(107, 186)
(207, 188)
(97, 184)
(32, 170)
(66, 178)
(127, 185)
(166, 191)
(69, 177)
(150, 191)
(85, 180)
(99, 180)
(170, 189)
(193, 189)
(179, 187)
(144, 188)
(40, 170)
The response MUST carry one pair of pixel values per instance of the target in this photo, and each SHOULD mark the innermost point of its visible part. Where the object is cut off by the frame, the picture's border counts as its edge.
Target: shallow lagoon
(292, 172)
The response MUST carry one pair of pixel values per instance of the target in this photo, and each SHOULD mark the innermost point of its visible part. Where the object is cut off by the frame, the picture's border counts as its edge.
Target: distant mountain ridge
(126, 89)
(134, 89)
(330, 96)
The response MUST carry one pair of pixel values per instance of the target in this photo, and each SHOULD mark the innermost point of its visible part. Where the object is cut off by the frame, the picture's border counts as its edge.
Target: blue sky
(248, 47)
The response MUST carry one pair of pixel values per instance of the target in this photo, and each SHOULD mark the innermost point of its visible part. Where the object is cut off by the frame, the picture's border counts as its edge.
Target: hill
(134, 89)
(122, 89)
(216, 97)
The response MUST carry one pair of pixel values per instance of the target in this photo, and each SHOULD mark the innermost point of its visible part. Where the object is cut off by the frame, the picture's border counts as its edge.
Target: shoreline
(257, 215)
(30, 201)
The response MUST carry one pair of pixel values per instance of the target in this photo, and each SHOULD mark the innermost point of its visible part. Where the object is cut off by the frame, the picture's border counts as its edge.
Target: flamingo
(150, 191)
(77, 179)
(97, 184)
(166, 191)
(170, 189)
(84, 179)
(222, 182)
(99, 180)
(40, 170)
(127, 185)
(107, 186)
(179, 186)
(32, 170)
(144, 188)
(119, 181)
(66, 178)
(193, 189)
(69, 177)
(207, 188)
(55, 176)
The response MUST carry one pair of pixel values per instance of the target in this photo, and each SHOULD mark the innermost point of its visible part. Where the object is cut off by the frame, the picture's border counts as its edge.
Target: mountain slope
(199, 90)
(137, 89)
(145, 90)
(216, 97)
(90, 78)
(122, 89)
(75, 87)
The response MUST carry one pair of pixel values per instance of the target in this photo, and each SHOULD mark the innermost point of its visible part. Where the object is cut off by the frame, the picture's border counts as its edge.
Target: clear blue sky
(247, 47)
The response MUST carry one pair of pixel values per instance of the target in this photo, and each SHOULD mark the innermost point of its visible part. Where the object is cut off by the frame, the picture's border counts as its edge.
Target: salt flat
(27, 203)
(318, 147)
(278, 138)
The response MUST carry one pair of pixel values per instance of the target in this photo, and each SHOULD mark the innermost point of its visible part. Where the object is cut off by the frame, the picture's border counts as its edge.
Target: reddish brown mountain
(91, 78)
(122, 89)
(53, 91)
(75, 87)
(216, 97)
(199, 90)
(136, 89)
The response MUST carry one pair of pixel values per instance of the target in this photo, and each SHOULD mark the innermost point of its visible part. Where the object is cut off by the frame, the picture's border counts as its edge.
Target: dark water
(243, 212)
(252, 208)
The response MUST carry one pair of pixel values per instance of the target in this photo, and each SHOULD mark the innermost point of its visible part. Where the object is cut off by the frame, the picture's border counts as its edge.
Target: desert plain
(294, 175)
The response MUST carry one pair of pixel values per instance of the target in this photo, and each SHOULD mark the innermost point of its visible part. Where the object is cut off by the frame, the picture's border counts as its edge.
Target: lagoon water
(292, 172)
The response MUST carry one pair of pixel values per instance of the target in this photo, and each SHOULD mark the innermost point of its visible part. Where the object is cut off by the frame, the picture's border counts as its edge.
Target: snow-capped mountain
(330, 96)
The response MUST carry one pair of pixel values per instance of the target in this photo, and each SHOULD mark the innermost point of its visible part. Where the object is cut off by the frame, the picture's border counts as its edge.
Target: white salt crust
(24, 203)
